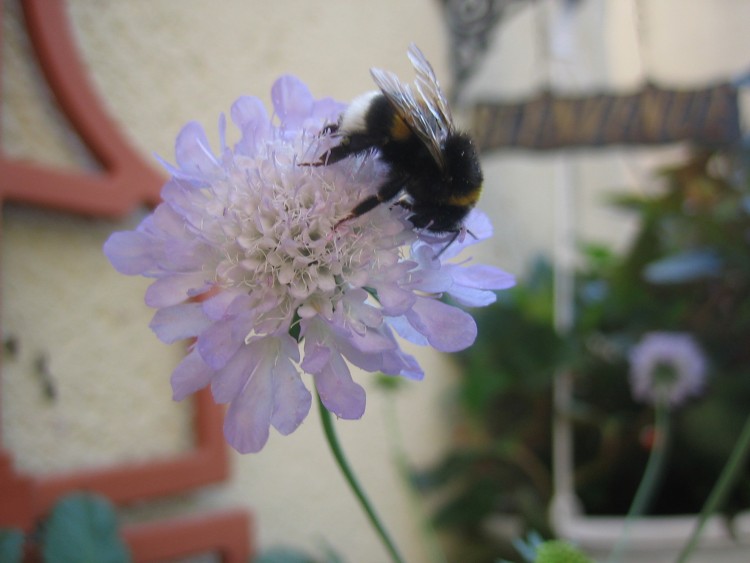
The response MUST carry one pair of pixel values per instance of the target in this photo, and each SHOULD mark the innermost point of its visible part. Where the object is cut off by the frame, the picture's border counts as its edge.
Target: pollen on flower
(244, 254)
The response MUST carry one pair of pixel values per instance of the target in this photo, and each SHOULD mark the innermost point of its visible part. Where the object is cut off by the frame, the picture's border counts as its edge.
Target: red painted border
(125, 183)
(226, 534)
(126, 483)
(26, 497)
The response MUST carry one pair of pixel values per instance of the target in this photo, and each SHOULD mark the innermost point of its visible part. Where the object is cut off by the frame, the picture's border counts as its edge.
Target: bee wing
(426, 112)
(429, 88)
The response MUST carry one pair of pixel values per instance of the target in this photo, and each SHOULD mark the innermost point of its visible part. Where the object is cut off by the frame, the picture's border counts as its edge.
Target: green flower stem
(721, 489)
(650, 480)
(338, 454)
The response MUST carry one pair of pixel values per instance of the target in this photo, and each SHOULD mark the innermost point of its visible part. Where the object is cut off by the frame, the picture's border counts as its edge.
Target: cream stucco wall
(160, 64)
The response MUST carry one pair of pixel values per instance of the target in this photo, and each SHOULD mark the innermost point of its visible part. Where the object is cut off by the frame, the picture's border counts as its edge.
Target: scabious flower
(248, 265)
(667, 368)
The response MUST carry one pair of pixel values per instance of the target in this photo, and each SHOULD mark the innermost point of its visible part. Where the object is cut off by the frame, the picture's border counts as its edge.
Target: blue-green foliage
(11, 545)
(81, 528)
(291, 555)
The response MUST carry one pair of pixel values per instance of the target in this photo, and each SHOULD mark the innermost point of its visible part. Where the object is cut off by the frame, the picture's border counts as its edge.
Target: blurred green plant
(686, 270)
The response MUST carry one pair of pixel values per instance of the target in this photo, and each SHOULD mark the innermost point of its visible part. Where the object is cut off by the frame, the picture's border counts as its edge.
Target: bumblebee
(434, 166)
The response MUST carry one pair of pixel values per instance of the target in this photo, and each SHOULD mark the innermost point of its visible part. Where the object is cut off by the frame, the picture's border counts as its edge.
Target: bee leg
(451, 241)
(405, 203)
(350, 144)
(386, 192)
(456, 234)
(362, 207)
(329, 130)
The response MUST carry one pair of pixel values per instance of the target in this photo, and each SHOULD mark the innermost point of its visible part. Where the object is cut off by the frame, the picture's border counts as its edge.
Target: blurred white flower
(667, 368)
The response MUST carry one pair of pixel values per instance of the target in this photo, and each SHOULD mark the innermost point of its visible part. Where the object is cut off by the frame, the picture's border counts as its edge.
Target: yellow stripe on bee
(465, 200)
(399, 129)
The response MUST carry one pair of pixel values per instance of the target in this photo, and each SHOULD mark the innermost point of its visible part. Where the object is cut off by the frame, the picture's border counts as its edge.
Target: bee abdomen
(468, 199)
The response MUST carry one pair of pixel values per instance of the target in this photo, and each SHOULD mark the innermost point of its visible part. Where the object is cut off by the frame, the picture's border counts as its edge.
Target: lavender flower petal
(193, 153)
(248, 419)
(292, 101)
(171, 290)
(338, 391)
(228, 382)
(251, 118)
(219, 342)
(446, 328)
(131, 253)
(291, 398)
(190, 375)
(179, 322)
(472, 284)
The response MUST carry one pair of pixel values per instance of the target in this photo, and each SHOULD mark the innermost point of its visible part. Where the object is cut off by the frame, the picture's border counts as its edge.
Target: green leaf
(11, 545)
(82, 528)
(557, 551)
